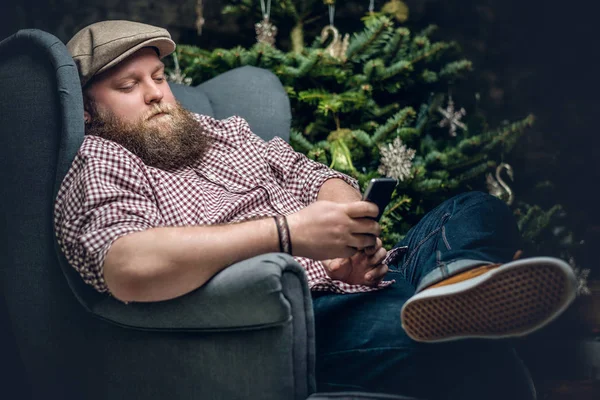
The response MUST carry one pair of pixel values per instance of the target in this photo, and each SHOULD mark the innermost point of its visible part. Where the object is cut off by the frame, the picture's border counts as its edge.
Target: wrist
(296, 235)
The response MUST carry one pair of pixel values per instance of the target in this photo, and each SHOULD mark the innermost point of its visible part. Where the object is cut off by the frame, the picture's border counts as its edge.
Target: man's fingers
(370, 250)
(365, 225)
(378, 257)
(362, 209)
(373, 249)
(376, 274)
(361, 241)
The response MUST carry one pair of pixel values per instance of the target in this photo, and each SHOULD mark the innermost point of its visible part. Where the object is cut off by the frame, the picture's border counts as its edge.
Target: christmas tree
(378, 103)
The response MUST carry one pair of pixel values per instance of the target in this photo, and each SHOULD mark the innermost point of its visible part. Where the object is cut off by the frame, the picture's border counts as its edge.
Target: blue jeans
(361, 345)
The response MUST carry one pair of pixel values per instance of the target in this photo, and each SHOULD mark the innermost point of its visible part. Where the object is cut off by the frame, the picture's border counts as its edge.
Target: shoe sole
(512, 300)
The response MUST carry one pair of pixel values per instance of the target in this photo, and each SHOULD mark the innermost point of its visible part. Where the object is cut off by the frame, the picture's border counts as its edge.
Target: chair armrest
(251, 294)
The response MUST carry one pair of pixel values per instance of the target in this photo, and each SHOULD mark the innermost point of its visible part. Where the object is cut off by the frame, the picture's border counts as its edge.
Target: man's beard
(166, 142)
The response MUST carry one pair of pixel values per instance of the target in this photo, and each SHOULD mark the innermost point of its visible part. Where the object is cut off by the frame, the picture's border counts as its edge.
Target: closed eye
(128, 88)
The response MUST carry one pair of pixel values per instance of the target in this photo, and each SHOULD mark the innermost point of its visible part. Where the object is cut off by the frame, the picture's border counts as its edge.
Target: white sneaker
(492, 301)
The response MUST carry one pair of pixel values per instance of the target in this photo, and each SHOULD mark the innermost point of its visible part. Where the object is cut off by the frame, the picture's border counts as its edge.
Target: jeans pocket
(413, 252)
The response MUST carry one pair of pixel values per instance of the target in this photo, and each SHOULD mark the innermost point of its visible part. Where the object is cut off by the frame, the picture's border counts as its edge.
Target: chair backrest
(41, 122)
(42, 128)
(253, 93)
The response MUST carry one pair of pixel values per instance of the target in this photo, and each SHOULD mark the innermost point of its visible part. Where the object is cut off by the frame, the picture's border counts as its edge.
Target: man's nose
(153, 93)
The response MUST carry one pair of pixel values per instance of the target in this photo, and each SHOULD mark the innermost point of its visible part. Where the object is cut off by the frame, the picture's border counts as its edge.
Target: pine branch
(456, 68)
(362, 137)
(428, 186)
(472, 173)
(536, 220)
(376, 111)
(370, 38)
(434, 50)
(305, 67)
(392, 47)
(509, 134)
(299, 142)
(313, 96)
(428, 31)
(290, 8)
(400, 67)
(428, 76)
(373, 69)
(408, 134)
(399, 120)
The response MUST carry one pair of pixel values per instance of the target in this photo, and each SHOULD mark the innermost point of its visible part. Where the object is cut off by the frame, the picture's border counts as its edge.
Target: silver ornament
(265, 31)
(452, 118)
(497, 187)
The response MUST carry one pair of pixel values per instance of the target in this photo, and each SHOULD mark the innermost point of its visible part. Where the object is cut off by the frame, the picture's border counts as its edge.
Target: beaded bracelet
(285, 240)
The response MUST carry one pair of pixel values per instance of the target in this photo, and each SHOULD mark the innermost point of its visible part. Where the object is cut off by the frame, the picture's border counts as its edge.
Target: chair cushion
(192, 98)
(254, 94)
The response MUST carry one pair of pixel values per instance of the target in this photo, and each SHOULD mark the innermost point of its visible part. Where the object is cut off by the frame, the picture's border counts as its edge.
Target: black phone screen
(379, 191)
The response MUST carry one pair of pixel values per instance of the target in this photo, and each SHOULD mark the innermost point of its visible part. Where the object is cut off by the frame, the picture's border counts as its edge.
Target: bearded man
(159, 200)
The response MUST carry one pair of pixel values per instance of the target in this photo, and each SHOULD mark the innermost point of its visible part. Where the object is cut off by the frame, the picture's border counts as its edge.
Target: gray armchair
(247, 334)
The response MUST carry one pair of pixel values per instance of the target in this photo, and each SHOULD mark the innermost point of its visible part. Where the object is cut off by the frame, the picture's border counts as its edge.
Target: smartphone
(379, 191)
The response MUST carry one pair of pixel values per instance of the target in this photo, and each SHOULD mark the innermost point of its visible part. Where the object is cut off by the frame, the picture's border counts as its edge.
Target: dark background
(529, 57)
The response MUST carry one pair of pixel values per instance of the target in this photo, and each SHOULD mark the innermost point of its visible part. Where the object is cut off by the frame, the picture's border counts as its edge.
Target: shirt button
(279, 205)
(211, 177)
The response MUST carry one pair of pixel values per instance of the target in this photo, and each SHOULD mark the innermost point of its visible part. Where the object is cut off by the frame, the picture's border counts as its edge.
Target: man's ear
(87, 117)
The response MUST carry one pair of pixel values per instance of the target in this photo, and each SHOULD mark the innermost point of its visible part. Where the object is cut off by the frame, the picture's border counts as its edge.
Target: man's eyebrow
(158, 67)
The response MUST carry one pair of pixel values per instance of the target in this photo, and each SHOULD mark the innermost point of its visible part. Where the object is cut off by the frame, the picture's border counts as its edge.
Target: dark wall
(529, 57)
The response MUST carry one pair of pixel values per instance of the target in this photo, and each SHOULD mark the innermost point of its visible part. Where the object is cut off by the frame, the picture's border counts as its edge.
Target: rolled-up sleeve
(295, 172)
(100, 201)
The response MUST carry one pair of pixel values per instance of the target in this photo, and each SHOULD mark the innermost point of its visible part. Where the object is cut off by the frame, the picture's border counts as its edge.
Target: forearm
(339, 191)
(164, 263)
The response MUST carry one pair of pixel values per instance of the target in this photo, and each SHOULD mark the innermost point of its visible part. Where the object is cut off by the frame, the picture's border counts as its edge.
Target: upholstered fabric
(248, 334)
(253, 93)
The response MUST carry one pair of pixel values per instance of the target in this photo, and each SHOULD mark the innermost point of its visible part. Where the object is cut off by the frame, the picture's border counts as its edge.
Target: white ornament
(452, 118)
(582, 277)
(396, 160)
(265, 30)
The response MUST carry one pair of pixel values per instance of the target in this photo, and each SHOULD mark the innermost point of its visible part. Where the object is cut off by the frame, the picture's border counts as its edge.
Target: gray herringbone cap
(102, 45)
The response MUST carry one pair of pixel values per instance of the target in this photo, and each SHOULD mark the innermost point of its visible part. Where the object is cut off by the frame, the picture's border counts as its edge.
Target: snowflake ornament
(452, 118)
(582, 277)
(396, 160)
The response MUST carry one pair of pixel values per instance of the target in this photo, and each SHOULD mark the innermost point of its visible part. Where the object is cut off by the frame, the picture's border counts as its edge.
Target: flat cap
(102, 45)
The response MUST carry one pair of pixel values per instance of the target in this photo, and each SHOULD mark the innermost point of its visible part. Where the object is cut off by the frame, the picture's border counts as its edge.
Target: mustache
(158, 109)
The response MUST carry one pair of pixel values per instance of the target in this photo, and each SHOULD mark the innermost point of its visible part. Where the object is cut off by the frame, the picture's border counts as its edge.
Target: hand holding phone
(379, 191)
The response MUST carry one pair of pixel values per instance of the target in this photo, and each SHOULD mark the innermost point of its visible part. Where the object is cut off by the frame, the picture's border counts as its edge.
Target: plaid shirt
(109, 192)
